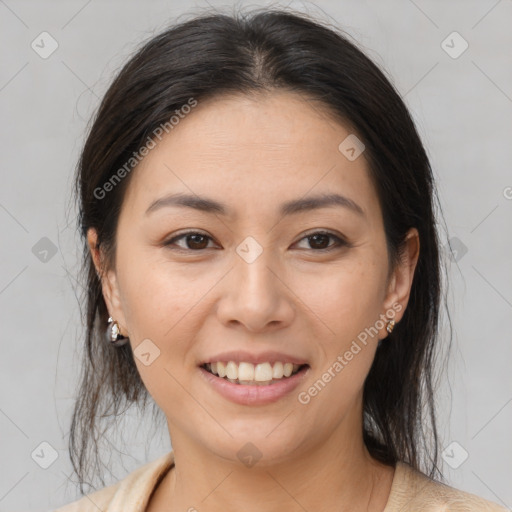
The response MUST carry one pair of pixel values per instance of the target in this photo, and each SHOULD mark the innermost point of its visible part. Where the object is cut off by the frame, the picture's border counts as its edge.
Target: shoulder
(95, 501)
(413, 490)
(129, 494)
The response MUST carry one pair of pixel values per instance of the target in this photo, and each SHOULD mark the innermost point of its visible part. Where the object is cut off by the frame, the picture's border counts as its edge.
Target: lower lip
(245, 394)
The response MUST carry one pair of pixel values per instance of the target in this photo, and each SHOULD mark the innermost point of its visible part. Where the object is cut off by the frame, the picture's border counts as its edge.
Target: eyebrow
(208, 205)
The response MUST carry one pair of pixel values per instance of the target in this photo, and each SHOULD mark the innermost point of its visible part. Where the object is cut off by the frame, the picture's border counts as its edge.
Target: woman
(260, 248)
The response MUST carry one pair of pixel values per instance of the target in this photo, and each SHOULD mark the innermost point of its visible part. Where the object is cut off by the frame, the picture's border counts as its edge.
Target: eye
(319, 241)
(197, 241)
(194, 240)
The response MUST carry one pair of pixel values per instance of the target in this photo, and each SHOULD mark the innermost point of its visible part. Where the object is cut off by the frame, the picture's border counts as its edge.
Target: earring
(114, 335)
(390, 326)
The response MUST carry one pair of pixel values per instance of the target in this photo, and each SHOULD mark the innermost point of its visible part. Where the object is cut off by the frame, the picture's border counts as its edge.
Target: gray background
(462, 107)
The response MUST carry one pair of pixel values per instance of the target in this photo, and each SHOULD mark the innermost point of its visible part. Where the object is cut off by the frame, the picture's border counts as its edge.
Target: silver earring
(114, 335)
(390, 326)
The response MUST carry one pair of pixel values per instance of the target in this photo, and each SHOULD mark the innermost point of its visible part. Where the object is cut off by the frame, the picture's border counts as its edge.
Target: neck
(336, 475)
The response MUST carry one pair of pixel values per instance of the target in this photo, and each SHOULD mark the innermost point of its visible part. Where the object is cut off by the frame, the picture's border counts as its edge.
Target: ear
(109, 283)
(400, 282)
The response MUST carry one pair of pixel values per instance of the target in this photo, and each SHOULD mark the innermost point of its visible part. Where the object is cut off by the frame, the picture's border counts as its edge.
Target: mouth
(261, 374)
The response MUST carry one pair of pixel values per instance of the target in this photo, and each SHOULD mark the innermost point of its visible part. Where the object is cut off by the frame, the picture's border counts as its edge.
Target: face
(253, 281)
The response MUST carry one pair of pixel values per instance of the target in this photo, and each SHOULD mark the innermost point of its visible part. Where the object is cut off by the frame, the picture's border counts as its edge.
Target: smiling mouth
(262, 374)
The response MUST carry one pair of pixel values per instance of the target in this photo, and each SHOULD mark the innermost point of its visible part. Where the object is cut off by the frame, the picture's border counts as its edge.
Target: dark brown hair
(244, 53)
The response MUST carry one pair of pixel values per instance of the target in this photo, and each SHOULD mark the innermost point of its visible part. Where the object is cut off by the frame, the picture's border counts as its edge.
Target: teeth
(232, 370)
(221, 369)
(262, 372)
(248, 373)
(278, 372)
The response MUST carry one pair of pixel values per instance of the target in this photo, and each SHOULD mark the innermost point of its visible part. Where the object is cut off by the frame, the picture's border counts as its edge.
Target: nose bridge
(253, 276)
(255, 297)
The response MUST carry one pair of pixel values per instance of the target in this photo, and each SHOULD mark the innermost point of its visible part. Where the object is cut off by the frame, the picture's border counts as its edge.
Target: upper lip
(239, 356)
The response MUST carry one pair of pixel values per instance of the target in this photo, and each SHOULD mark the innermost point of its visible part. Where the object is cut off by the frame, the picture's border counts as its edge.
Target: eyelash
(339, 242)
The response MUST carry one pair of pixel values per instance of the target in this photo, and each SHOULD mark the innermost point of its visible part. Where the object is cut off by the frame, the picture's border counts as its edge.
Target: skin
(253, 154)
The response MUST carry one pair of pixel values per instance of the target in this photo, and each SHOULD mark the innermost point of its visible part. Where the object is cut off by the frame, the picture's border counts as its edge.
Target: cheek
(347, 302)
(158, 303)
(161, 299)
(346, 297)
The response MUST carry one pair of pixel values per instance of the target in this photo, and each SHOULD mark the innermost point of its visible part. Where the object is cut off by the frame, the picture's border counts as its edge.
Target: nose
(256, 297)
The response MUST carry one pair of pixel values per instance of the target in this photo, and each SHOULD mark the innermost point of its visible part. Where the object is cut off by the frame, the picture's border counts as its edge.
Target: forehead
(253, 150)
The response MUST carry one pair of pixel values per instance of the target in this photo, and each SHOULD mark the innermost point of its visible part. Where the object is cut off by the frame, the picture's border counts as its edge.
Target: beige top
(410, 491)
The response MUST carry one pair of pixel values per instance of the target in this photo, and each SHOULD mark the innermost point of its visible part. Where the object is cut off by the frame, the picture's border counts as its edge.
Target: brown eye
(196, 241)
(319, 241)
(193, 241)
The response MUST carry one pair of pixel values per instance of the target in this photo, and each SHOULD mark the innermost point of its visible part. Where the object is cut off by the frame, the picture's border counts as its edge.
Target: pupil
(195, 238)
(315, 238)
